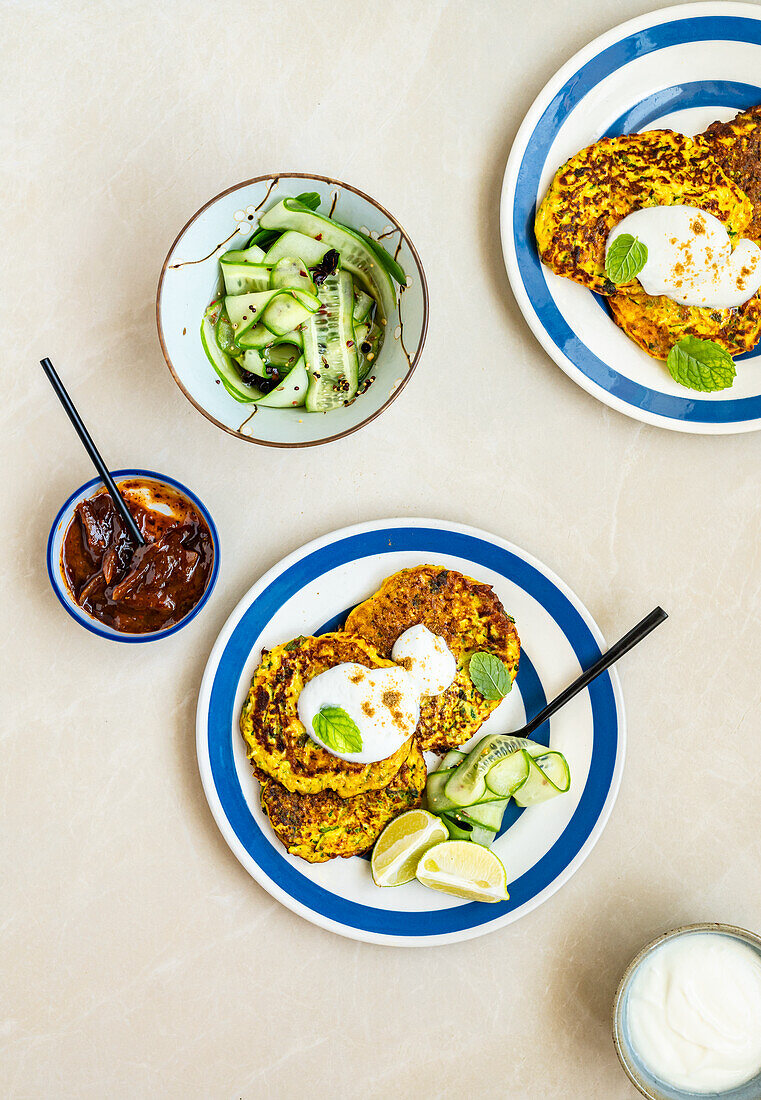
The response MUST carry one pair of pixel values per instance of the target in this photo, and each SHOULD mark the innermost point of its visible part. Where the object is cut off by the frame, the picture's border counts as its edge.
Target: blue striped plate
(311, 591)
(679, 68)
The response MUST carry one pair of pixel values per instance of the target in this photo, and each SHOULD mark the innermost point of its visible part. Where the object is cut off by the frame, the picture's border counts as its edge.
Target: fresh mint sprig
(337, 730)
(701, 365)
(490, 675)
(625, 259)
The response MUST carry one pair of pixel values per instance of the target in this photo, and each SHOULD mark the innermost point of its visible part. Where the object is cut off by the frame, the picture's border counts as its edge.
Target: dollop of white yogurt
(695, 1012)
(383, 703)
(427, 658)
(690, 257)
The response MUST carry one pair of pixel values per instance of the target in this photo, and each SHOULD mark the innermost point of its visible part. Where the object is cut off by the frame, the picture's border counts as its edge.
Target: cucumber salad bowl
(292, 310)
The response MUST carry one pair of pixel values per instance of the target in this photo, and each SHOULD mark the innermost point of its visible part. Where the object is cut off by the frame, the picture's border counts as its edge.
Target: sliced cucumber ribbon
(244, 278)
(270, 299)
(280, 310)
(330, 348)
(251, 255)
(356, 254)
(292, 391)
(471, 792)
(223, 364)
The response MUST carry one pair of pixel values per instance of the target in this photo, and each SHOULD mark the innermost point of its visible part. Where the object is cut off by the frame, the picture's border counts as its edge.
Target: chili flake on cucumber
(301, 318)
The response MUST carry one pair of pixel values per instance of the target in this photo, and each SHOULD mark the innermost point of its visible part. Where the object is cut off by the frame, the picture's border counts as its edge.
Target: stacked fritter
(321, 806)
(718, 171)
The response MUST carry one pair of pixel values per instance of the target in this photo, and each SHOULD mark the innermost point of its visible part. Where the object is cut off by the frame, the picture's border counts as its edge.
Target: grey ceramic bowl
(635, 1069)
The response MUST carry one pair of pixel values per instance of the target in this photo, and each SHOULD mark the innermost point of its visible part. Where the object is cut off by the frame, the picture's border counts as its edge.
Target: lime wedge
(465, 870)
(400, 846)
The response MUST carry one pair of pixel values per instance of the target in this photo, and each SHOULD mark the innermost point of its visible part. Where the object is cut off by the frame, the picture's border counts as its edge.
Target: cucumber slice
(369, 339)
(242, 278)
(506, 776)
(329, 347)
(460, 829)
(467, 783)
(294, 338)
(363, 303)
(251, 255)
(254, 363)
(554, 765)
(452, 759)
(245, 310)
(291, 392)
(256, 337)
(306, 249)
(283, 356)
(387, 261)
(224, 335)
(223, 364)
(356, 255)
(289, 310)
(435, 798)
(548, 776)
(487, 814)
(292, 274)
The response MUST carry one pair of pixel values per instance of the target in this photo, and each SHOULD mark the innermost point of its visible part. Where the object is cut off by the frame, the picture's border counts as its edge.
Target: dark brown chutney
(138, 590)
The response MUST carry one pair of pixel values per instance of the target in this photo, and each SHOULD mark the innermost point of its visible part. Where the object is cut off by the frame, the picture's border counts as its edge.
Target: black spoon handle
(92, 450)
(623, 645)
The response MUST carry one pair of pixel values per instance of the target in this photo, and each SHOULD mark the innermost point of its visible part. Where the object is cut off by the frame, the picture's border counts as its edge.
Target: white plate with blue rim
(680, 68)
(311, 591)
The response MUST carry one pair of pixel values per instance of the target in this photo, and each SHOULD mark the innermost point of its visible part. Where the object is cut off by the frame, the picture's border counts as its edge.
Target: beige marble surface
(138, 958)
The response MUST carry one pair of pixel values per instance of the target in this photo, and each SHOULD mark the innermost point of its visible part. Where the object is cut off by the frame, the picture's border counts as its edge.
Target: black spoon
(92, 450)
(623, 645)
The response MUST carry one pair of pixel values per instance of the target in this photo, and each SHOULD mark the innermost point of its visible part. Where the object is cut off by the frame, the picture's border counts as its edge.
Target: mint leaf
(625, 258)
(337, 730)
(701, 365)
(490, 675)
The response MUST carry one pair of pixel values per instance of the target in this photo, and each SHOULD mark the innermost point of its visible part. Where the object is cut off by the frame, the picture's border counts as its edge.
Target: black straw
(92, 450)
(623, 645)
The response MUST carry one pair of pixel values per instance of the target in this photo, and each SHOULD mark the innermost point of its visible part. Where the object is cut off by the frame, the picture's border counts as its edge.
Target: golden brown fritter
(598, 187)
(279, 745)
(656, 324)
(736, 147)
(468, 615)
(319, 827)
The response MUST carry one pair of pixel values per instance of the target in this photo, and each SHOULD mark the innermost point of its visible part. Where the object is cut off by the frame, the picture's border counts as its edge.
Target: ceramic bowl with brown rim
(190, 279)
(638, 1072)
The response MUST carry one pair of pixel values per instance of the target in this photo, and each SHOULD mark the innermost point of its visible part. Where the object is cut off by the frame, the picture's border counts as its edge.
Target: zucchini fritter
(279, 745)
(598, 187)
(319, 827)
(736, 147)
(656, 324)
(468, 615)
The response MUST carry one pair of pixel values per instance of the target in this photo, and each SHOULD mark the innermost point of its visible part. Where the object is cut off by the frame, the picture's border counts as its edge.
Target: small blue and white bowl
(636, 1070)
(58, 580)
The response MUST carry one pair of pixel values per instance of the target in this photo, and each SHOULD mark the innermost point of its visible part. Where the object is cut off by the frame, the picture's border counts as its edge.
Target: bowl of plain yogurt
(687, 1015)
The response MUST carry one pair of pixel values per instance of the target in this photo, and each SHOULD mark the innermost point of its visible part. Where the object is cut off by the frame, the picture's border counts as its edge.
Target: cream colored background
(138, 958)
